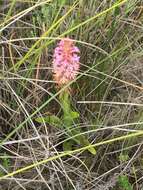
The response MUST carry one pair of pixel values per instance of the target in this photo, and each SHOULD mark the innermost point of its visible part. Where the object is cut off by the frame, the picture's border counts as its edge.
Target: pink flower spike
(65, 61)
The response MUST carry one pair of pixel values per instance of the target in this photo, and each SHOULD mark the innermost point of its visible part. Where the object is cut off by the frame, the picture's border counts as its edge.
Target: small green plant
(124, 183)
(5, 162)
(123, 157)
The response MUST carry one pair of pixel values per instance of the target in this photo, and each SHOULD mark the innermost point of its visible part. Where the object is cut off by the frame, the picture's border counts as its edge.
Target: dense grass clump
(85, 134)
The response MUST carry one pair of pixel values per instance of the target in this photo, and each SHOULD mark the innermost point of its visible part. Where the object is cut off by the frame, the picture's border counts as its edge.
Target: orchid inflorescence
(65, 61)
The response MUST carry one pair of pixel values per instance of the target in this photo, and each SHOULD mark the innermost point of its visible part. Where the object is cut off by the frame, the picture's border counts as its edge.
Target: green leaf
(52, 120)
(117, 11)
(74, 114)
(62, 2)
(68, 118)
(82, 140)
(67, 145)
(85, 142)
